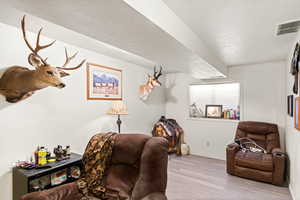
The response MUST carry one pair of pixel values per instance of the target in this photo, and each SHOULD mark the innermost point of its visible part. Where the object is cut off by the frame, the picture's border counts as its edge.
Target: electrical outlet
(207, 144)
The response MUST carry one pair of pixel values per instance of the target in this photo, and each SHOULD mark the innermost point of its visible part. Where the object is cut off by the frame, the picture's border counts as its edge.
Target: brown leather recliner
(138, 171)
(269, 167)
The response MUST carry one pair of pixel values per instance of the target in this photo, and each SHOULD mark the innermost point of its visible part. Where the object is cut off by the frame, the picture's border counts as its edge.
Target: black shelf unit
(22, 177)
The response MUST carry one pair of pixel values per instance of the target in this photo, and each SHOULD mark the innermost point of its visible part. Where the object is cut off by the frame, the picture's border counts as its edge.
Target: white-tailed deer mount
(18, 83)
(152, 82)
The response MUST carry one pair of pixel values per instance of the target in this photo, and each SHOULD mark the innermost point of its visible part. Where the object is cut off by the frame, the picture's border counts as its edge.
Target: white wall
(262, 99)
(292, 137)
(53, 116)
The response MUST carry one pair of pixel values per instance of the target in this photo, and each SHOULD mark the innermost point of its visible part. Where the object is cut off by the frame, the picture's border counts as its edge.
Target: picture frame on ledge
(213, 111)
(103, 83)
(195, 111)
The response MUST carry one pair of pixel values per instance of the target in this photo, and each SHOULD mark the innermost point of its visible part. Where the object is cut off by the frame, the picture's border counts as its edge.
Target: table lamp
(118, 108)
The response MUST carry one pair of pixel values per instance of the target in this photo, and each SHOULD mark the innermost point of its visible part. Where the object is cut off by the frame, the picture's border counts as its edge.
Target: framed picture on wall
(290, 105)
(213, 111)
(296, 113)
(103, 83)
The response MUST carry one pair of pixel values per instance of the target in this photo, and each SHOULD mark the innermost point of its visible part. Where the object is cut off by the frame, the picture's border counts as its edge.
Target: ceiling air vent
(288, 27)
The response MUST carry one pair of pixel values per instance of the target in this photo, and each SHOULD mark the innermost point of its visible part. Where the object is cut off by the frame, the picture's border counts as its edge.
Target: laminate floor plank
(198, 178)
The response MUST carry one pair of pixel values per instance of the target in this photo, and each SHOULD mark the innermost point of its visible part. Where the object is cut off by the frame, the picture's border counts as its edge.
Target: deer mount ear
(35, 61)
(63, 73)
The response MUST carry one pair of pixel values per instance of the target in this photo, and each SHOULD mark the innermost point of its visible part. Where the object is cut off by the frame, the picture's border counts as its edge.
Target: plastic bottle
(42, 154)
(68, 150)
(238, 113)
(36, 155)
(227, 114)
(231, 114)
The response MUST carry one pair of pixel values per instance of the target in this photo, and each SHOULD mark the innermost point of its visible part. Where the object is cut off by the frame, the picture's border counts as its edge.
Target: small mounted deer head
(152, 82)
(18, 83)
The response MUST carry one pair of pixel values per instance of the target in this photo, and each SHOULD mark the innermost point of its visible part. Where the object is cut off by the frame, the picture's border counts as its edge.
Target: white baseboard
(292, 192)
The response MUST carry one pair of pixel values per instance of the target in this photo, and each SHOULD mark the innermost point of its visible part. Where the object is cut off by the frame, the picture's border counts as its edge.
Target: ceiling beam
(161, 15)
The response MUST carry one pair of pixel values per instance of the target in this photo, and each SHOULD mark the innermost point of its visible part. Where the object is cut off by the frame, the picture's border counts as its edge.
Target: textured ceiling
(235, 32)
(116, 23)
(240, 32)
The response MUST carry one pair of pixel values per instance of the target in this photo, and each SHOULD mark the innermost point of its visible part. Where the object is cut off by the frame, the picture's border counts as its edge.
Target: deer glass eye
(49, 72)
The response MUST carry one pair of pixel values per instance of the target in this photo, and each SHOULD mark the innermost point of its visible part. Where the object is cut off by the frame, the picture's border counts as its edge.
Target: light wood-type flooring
(199, 178)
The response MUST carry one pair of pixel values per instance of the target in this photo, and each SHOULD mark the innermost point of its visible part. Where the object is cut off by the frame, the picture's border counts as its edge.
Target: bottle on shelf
(36, 156)
(48, 154)
(228, 114)
(231, 114)
(68, 150)
(42, 156)
(238, 113)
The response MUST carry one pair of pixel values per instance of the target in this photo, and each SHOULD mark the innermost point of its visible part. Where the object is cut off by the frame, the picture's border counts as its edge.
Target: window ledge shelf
(214, 120)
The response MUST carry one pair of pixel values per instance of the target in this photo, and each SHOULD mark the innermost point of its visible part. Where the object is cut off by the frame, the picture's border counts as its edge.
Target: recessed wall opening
(221, 101)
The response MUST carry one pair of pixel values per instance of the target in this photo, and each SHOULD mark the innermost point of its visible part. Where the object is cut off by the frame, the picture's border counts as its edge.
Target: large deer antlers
(38, 46)
(68, 59)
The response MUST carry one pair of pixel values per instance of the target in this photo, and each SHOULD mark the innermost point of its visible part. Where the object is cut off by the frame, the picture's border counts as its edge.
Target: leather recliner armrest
(230, 154)
(233, 146)
(277, 151)
(65, 192)
(279, 159)
(152, 179)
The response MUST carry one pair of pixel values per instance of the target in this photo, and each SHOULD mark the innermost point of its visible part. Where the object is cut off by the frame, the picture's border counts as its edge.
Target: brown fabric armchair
(138, 171)
(268, 167)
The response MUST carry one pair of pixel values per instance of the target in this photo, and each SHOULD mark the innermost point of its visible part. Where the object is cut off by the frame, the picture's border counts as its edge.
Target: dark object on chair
(246, 144)
(169, 129)
(267, 167)
(138, 171)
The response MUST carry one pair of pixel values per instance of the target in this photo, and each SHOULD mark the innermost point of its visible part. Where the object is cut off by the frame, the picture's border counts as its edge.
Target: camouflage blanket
(96, 159)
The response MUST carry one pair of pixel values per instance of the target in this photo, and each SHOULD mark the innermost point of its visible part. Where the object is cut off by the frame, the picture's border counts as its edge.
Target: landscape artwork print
(103, 83)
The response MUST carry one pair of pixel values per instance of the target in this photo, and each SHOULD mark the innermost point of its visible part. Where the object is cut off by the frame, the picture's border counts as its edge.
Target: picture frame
(213, 111)
(290, 105)
(195, 111)
(296, 113)
(104, 83)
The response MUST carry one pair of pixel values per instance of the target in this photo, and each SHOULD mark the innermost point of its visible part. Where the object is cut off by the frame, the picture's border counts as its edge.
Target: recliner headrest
(262, 128)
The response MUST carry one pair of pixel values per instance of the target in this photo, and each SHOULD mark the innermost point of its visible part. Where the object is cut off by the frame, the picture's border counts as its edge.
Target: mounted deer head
(18, 83)
(152, 82)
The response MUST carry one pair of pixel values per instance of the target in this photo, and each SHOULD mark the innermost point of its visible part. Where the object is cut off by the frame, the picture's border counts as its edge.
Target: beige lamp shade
(118, 108)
